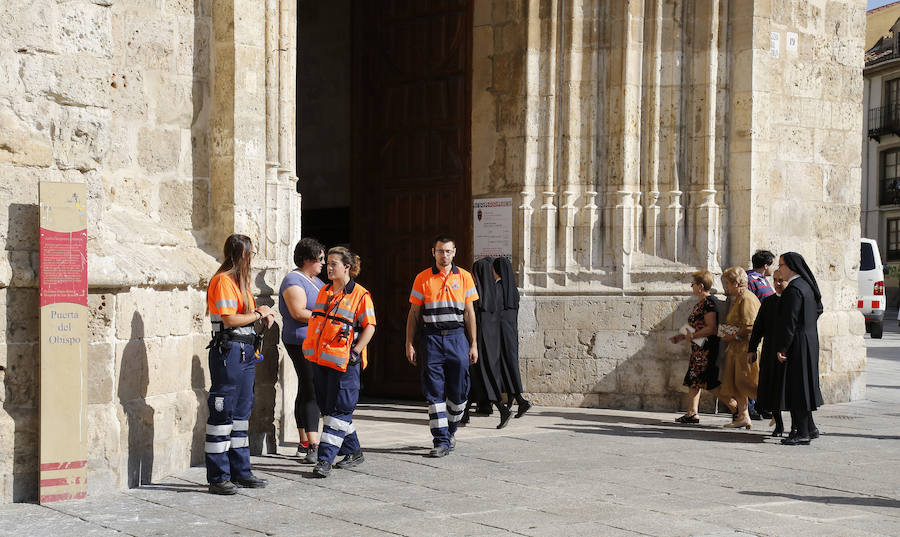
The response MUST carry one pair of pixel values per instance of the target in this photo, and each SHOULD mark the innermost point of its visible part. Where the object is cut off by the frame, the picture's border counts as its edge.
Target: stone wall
(119, 95)
(807, 116)
(115, 95)
(645, 140)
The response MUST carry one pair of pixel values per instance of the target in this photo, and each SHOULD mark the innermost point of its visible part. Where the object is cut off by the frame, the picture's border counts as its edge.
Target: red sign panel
(63, 267)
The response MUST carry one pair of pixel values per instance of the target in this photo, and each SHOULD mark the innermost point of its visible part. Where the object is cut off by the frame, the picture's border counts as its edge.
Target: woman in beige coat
(740, 376)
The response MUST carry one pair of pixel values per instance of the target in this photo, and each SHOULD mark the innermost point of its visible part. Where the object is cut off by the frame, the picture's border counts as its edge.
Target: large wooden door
(412, 178)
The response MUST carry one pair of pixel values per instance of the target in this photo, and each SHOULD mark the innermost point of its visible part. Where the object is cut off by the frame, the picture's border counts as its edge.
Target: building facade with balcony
(880, 199)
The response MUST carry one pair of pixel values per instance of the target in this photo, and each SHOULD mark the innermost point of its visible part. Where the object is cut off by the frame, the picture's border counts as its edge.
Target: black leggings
(306, 410)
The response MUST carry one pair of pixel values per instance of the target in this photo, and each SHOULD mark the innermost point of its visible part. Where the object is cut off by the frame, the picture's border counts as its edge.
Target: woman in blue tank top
(296, 300)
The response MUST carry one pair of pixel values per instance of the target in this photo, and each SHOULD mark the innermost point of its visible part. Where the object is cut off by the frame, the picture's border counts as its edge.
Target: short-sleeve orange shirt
(224, 298)
(443, 297)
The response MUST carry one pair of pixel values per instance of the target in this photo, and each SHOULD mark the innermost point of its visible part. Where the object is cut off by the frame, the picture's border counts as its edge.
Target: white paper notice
(791, 43)
(775, 44)
(492, 219)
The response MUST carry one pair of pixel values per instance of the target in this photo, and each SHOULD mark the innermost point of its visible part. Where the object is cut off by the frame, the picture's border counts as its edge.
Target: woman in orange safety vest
(342, 324)
(232, 369)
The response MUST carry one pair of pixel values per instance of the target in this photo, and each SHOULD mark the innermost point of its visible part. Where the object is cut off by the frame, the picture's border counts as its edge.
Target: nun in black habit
(486, 376)
(770, 391)
(509, 334)
(798, 346)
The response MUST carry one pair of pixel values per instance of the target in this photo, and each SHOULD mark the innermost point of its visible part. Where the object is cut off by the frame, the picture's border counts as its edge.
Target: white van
(871, 287)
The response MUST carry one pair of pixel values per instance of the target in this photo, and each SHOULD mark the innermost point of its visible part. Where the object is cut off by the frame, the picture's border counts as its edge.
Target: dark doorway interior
(406, 141)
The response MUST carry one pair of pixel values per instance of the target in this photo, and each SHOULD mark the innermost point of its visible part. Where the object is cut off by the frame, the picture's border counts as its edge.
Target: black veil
(503, 267)
(795, 262)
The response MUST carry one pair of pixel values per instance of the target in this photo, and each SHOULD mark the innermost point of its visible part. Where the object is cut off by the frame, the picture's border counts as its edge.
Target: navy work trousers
(337, 393)
(230, 402)
(445, 381)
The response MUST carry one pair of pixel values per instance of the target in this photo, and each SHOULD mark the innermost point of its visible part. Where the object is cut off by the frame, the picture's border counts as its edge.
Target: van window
(867, 260)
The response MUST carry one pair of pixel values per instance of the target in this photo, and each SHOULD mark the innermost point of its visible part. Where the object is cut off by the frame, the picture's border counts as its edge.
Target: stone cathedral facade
(640, 141)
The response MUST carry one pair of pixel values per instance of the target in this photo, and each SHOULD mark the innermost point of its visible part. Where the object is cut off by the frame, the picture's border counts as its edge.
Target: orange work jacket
(337, 319)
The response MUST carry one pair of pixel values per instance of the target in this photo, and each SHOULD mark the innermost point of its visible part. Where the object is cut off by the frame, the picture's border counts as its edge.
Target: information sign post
(64, 316)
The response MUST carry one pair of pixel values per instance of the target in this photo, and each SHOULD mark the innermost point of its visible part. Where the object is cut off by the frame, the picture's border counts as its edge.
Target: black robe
(770, 393)
(485, 374)
(798, 339)
(509, 326)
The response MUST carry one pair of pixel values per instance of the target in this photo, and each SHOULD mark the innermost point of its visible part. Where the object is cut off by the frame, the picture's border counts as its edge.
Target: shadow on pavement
(694, 433)
(611, 426)
(884, 353)
(868, 501)
(413, 421)
(414, 451)
(657, 428)
(855, 435)
(304, 471)
(175, 487)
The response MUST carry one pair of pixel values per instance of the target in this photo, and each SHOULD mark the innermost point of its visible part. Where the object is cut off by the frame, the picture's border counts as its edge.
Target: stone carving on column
(651, 223)
(589, 241)
(547, 236)
(624, 236)
(567, 257)
(623, 99)
(674, 224)
(707, 229)
(525, 229)
(638, 215)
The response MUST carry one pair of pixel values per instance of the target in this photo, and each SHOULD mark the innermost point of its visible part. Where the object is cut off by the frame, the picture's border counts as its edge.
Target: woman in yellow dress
(740, 375)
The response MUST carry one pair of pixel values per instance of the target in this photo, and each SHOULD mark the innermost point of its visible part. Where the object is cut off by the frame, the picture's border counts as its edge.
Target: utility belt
(430, 331)
(222, 339)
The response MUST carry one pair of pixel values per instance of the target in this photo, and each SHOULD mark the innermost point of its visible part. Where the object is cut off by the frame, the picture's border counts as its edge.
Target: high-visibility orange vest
(333, 327)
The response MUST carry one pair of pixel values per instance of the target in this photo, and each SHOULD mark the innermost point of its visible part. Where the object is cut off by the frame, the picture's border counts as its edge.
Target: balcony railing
(884, 120)
(890, 191)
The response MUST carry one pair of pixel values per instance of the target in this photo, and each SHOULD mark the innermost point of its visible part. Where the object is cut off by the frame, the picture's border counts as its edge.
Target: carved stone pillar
(269, 247)
(567, 257)
(525, 229)
(674, 219)
(589, 241)
(651, 223)
(707, 229)
(547, 236)
(624, 236)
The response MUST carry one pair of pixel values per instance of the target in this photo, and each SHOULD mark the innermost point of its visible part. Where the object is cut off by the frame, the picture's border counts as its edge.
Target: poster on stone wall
(492, 218)
(64, 313)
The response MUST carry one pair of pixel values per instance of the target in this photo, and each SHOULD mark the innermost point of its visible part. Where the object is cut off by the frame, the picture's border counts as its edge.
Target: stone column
(288, 199)
(238, 121)
(652, 135)
(272, 127)
(704, 66)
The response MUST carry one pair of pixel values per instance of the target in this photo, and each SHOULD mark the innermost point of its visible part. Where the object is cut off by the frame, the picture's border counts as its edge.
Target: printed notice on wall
(64, 316)
(775, 44)
(791, 43)
(492, 218)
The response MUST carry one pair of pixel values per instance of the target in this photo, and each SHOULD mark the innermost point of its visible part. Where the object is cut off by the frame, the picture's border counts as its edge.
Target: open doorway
(384, 143)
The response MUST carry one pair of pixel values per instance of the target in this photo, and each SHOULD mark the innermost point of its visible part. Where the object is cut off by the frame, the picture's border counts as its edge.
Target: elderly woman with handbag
(700, 330)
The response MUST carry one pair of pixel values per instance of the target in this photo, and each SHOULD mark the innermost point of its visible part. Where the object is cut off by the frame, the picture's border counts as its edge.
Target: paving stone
(559, 472)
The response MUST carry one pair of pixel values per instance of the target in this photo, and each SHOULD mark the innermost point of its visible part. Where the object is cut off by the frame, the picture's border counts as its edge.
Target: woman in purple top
(296, 300)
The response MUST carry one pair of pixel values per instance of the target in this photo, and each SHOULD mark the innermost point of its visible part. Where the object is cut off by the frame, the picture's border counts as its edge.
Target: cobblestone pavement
(557, 471)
